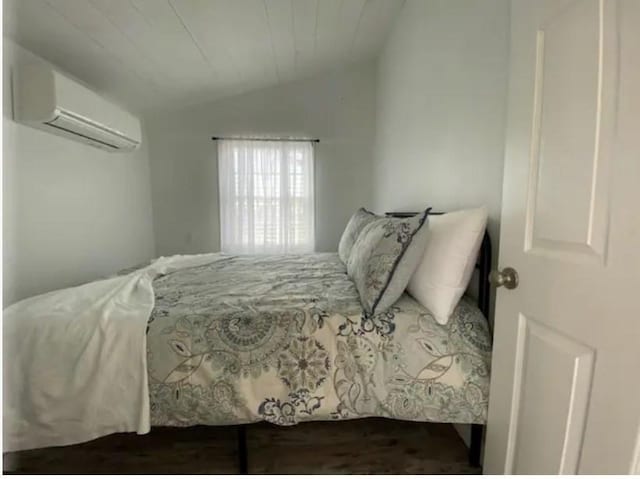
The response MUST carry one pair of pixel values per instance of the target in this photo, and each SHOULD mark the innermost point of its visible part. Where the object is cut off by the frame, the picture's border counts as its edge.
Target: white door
(565, 386)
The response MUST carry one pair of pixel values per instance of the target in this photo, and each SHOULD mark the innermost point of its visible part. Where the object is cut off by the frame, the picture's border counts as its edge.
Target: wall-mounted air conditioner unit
(46, 99)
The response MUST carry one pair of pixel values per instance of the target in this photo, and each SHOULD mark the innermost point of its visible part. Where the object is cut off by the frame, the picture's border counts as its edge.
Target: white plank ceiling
(155, 53)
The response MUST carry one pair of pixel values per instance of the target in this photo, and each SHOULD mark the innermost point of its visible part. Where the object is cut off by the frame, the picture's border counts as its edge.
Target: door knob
(508, 278)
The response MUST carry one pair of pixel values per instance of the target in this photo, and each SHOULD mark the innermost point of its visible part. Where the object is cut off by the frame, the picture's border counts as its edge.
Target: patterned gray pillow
(384, 257)
(359, 220)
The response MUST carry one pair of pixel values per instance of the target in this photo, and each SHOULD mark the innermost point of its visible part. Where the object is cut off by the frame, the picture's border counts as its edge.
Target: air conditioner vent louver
(91, 133)
(45, 99)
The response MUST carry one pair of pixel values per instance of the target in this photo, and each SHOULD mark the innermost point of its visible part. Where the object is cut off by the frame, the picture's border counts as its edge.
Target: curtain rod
(312, 140)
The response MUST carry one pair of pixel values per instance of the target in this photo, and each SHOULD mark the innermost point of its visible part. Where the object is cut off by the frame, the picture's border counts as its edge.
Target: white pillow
(449, 258)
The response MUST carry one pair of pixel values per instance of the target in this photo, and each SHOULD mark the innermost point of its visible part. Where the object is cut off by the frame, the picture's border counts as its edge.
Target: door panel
(574, 91)
(565, 394)
(552, 369)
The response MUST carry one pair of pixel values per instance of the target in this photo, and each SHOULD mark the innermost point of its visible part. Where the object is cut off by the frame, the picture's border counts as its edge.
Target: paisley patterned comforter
(284, 339)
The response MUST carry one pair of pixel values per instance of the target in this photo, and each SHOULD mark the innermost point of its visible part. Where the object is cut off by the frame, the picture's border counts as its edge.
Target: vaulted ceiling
(152, 53)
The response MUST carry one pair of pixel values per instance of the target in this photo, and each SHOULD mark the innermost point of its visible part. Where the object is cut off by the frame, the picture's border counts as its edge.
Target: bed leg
(243, 455)
(475, 448)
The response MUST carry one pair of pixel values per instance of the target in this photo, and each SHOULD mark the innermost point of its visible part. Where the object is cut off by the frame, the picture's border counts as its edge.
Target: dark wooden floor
(365, 446)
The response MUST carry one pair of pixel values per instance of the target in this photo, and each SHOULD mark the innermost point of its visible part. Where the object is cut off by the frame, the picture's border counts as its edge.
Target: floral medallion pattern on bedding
(303, 364)
(284, 339)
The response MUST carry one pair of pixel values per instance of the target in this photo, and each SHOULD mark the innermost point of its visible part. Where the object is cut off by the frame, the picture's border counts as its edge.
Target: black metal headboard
(483, 264)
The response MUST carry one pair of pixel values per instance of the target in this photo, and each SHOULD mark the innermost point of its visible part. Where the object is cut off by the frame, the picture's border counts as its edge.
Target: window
(266, 196)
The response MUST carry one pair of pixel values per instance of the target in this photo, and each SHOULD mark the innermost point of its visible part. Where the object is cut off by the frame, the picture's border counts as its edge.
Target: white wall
(441, 111)
(338, 108)
(441, 108)
(71, 213)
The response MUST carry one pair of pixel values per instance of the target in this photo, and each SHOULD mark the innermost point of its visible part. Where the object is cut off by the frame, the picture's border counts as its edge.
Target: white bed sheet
(75, 360)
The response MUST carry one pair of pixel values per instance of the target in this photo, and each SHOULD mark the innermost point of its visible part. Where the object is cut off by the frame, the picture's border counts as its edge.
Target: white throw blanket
(75, 363)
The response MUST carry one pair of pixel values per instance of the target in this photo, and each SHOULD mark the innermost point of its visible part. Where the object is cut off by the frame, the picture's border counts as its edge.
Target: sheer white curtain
(266, 196)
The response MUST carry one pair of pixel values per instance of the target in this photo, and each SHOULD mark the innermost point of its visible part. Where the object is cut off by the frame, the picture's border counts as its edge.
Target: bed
(284, 339)
(230, 340)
